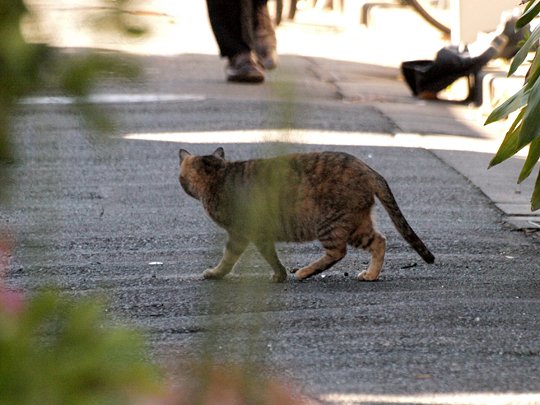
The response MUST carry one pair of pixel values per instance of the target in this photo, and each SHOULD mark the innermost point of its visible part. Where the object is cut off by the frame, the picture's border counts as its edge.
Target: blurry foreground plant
(29, 67)
(54, 350)
(525, 130)
(57, 351)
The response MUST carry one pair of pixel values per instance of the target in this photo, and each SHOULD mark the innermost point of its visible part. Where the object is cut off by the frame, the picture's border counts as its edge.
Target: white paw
(212, 274)
(366, 276)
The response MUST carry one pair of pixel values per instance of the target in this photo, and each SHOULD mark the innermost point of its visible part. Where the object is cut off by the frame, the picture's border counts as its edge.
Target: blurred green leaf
(531, 119)
(532, 158)
(509, 146)
(62, 351)
(531, 10)
(57, 350)
(535, 200)
(534, 71)
(514, 103)
(528, 3)
(519, 58)
(26, 68)
(82, 72)
(136, 30)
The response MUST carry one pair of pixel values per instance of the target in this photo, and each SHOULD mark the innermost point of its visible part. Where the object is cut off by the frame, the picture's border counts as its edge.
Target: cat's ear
(182, 153)
(219, 152)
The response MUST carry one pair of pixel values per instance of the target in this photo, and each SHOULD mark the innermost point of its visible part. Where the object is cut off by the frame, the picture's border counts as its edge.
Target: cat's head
(197, 171)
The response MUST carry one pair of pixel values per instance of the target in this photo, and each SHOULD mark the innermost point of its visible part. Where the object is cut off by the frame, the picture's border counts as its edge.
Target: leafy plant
(525, 130)
(26, 68)
(55, 350)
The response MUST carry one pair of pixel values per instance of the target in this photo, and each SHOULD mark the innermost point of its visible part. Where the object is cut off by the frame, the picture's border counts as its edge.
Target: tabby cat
(294, 198)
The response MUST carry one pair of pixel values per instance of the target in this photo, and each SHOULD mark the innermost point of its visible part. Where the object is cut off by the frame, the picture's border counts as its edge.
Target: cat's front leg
(268, 250)
(233, 250)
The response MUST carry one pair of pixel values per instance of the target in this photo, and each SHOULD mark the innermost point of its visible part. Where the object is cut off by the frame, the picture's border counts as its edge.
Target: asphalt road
(108, 216)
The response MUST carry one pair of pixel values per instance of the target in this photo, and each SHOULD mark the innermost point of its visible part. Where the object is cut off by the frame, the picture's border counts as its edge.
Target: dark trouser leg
(264, 35)
(232, 23)
(227, 18)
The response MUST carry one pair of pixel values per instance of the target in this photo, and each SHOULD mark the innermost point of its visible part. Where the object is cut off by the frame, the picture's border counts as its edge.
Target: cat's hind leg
(268, 250)
(334, 243)
(233, 250)
(377, 249)
(331, 257)
(368, 238)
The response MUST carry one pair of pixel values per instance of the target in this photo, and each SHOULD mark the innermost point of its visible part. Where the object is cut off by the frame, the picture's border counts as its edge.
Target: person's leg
(226, 23)
(228, 19)
(265, 35)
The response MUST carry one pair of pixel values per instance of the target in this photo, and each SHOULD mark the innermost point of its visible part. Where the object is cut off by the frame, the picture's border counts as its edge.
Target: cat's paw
(279, 277)
(212, 274)
(365, 276)
(292, 271)
(303, 273)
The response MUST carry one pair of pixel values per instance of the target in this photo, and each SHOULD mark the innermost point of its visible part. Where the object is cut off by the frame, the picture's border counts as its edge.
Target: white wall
(469, 17)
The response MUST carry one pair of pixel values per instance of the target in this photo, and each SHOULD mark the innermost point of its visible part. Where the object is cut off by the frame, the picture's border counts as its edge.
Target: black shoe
(243, 68)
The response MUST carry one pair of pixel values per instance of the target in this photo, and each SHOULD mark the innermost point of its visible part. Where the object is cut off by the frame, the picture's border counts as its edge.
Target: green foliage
(520, 57)
(77, 75)
(17, 72)
(26, 68)
(56, 350)
(525, 129)
(60, 351)
(531, 10)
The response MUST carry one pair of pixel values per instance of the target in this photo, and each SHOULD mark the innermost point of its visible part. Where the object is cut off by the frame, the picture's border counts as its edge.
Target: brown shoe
(265, 38)
(244, 68)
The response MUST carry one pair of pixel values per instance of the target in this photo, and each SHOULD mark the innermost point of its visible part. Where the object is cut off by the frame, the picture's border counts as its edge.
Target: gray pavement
(107, 216)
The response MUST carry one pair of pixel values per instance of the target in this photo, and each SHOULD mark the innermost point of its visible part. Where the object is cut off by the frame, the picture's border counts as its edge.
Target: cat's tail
(385, 196)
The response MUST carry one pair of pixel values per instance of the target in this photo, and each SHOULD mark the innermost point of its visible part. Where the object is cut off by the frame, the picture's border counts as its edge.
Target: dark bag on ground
(427, 77)
(449, 65)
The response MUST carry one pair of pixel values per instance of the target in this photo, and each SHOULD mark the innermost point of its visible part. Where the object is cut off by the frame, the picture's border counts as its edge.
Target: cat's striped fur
(326, 196)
